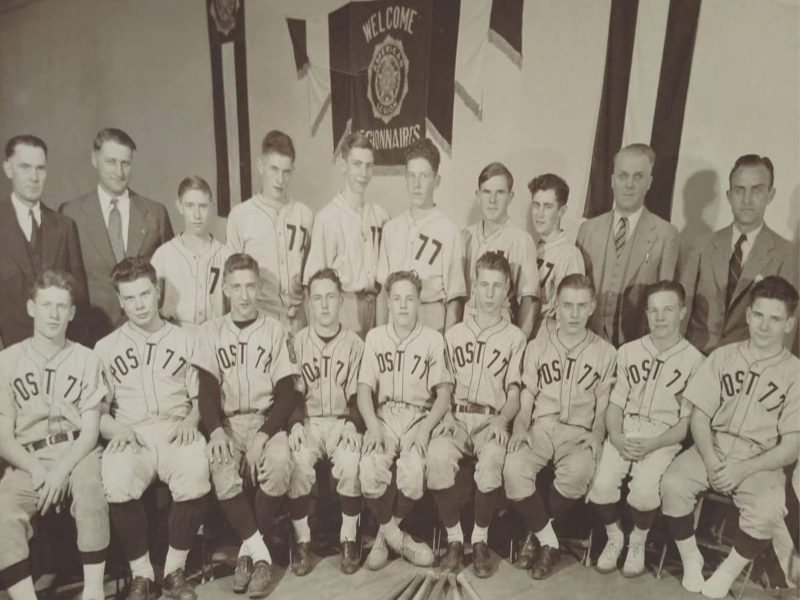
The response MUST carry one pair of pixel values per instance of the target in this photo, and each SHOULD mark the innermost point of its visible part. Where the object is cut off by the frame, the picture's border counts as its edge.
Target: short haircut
(356, 140)
(753, 160)
(110, 134)
(277, 142)
(642, 149)
(575, 281)
(240, 262)
(132, 268)
(667, 285)
(548, 181)
(327, 273)
(24, 140)
(404, 276)
(54, 278)
(493, 170)
(494, 261)
(197, 183)
(775, 287)
(424, 148)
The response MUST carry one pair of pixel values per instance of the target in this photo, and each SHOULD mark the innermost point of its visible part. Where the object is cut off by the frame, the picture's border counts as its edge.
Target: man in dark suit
(35, 239)
(113, 222)
(722, 268)
(627, 249)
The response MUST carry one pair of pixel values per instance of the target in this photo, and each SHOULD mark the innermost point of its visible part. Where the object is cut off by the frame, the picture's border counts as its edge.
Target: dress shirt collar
(751, 237)
(23, 210)
(105, 200)
(633, 219)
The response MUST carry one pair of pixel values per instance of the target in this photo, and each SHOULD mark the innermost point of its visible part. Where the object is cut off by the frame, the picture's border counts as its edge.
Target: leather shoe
(528, 552)
(349, 557)
(243, 574)
(176, 587)
(301, 559)
(260, 580)
(481, 560)
(452, 558)
(140, 589)
(545, 561)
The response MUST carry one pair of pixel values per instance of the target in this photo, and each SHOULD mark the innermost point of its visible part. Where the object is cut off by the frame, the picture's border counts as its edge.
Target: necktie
(622, 233)
(115, 231)
(35, 233)
(734, 269)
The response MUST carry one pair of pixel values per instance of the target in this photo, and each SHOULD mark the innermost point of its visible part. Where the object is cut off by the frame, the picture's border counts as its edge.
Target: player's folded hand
(728, 475)
(420, 442)
(53, 490)
(447, 426)
(349, 437)
(498, 430)
(636, 448)
(122, 439)
(254, 455)
(374, 440)
(519, 439)
(591, 442)
(297, 438)
(184, 434)
(220, 447)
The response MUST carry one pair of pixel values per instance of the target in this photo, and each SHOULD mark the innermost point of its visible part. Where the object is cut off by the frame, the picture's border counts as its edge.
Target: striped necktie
(734, 269)
(622, 233)
(115, 231)
(35, 233)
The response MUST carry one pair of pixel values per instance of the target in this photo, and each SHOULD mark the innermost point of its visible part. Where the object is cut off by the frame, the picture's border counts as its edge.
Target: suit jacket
(621, 301)
(704, 275)
(60, 250)
(148, 228)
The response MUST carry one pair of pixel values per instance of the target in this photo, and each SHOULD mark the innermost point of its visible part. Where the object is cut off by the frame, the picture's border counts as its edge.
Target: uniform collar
(432, 215)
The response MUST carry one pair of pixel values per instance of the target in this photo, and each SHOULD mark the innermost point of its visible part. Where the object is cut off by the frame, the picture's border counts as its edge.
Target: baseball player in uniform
(647, 419)
(405, 375)
(50, 395)
(151, 427)
(567, 376)
(424, 240)
(746, 429)
(190, 265)
(485, 353)
(247, 375)
(276, 231)
(347, 237)
(496, 232)
(329, 356)
(557, 255)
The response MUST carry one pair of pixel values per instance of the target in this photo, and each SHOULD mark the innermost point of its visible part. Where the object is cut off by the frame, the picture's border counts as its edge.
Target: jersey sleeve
(368, 373)
(514, 372)
(455, 286)
(530, 366)
(622, 385)
(528, 283)
(608, 374)
(94, 385)
(284, 361)
(703, 390)
(356, 355)
(234, 242)
(101, 351)
(789, 420)
(687, 407)
(438, 370)
(322, 250)
(205, 355)
(8, 405)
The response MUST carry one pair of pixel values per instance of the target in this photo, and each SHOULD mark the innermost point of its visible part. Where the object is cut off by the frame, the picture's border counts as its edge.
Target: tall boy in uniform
(50, 395)
(424, 240)
(347, 237)
(329, 356)
(647, 419)
(485, 353)
(150, 423)
(496, 232)
(567, 376)
(405, 375)
(276, 231)
(746, 429)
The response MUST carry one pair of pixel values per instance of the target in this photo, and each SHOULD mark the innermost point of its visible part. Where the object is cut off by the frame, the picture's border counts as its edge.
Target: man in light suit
(113, 223)
(627, 249)
(35, 238)
(721, 269)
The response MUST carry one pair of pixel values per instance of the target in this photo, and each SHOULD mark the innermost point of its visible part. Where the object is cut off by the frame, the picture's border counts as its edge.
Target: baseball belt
(479, 409)
(52, 440)
(406, 405)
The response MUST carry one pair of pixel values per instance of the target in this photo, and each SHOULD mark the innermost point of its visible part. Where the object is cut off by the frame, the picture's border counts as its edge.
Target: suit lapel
(14, 239)
(51, 238)
(136, 225)
(601, 234)
(96, 228)
(721, 256)
(643, 237)
(757, 262)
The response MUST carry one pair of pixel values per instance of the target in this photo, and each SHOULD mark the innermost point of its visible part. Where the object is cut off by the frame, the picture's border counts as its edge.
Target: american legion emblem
(224, 14)
(388, 79)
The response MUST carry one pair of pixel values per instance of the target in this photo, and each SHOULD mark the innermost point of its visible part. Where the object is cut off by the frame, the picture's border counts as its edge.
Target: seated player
(247, 373)
(151, 423)
(50, 395)
(566, 377)
(189, 266)
(746, 429)
(485, 353)
(329, 356)
(405, 375)
(647, 419)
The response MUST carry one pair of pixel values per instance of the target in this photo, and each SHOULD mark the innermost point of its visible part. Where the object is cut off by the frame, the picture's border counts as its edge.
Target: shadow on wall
(794, 217)
(700, 192)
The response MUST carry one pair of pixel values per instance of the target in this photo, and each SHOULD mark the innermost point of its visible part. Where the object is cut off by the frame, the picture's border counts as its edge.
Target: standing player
(190, 265)
(647, 419)
(557, 255)
(567, 376)
(347, 237)
(50, 394)
(276, 231)
(425, 241)
(405, 374)
(247, 375)
(746, 428)
(151, 428)
(329, 357)
(497, 233)
(486, 357)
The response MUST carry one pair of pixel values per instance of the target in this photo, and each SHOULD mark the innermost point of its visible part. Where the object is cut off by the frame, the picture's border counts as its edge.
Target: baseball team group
(395, 348)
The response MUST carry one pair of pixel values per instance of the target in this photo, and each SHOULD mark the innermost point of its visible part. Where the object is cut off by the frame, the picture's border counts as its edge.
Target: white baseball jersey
(404, 370)
(349, 241)
(192, 282)
(519, 249)
(330, 371)
(278, 237)
(247, 362)
(485, 362)
(754, 399)
(650, 382)
(556, 259)
(150, 375)
(47, 396)
(569, 382)
(431, 246)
